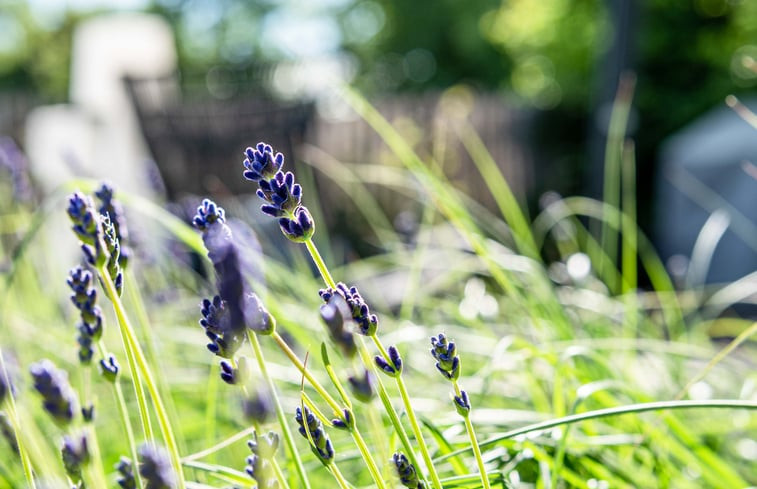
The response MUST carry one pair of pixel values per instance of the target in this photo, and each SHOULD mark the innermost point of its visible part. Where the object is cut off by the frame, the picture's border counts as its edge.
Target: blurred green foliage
(544, 54)
(34, 56)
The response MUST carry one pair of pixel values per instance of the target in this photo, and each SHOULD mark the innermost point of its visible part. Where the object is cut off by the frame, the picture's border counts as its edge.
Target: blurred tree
(422, 44)
(35, 56)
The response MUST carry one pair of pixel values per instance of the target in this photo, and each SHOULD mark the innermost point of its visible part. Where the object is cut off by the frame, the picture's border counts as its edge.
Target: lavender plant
(155, 468)
(448, 364)
(236, 314)
(58, 398)
(233, 317)
(218, 240)
(100, 244)
(260, 465)
(283, 200)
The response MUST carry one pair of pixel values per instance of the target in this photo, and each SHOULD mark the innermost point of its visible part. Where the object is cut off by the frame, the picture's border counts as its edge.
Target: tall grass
(573, 381)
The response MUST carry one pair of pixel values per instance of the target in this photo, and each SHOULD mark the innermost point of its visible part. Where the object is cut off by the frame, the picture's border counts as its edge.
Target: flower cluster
(109, 368)
(258, 407)
(155, 468)
(84, 297)
(224, 340)
(311, 429)
(126, 474)
(113, 245)
(362, 387)
(98, 235)
(367, 323)
(406, 472)
(235, 375)
(445, 353)
(112, 209)
(260, 463)
(75, 455)
(224, 315)
(59, 399)
(227, 315)
(4, 388)
(283, 197)
(448, 364)
(86, 226)
(13, 160)
(334, 313)
(391, 366)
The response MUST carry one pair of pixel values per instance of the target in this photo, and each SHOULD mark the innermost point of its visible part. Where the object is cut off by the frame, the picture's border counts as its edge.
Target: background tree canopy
(548, 55)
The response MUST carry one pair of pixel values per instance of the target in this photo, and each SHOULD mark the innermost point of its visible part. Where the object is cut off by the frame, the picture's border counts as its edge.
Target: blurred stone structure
(703, 181)
(97, 135)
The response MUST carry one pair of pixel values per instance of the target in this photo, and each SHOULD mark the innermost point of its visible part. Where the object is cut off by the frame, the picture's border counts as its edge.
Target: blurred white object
(98, 135)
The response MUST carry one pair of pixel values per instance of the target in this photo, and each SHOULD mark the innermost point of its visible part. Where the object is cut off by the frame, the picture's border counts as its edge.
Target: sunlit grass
(574, 380)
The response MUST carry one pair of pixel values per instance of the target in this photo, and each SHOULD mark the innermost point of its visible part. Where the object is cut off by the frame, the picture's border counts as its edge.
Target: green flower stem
(604, 413)
(97, 470)
(324, 271)
(123, 411)
(132, 345)
(338, 476)
(218, 446)
(312, 380)
(211, 396)
(474, 443)
(144, 415)
(137, 304)
(393, 417)
(279, 474)
(366, 453)
(13, 415)
(359, 441)
(418, 434)
(411, 416)
(288, 439)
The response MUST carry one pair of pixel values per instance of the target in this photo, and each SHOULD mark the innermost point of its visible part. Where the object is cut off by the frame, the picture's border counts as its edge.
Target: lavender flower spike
(361, 313)
(406, 472)
(126, 472)
(75, 455)
(84, 296)
(112, 209)
(261, 163)
(445, 353)
(391, 366)
(86, 226)
(58, 398)
(321, 445)
(155, 468)
(260, 463)
(282, 196)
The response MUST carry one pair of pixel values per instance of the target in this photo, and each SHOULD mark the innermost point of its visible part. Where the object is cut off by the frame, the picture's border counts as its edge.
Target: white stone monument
(98, 135)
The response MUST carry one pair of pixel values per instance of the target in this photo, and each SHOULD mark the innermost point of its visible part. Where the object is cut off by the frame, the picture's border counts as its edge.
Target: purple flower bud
(462, 404)
(445, 353)
(109, 368)
(126, 471)
(406, 472)
(362, 387)
(320, 444)
(75, 455)
(155, 468)
(58, 398)
(367, 323)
